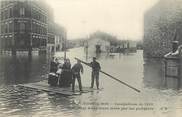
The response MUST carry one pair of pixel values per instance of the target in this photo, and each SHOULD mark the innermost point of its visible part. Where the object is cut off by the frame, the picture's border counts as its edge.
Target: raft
(67, 91)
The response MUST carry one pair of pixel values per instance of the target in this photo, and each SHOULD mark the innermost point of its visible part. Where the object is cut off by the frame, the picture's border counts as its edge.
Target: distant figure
(98, 49)
(95, 72)
(54, 65)
(66, 75)
(76, 69)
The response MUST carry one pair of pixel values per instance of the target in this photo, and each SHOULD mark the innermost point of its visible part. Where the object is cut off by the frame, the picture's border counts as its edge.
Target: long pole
(112, 77)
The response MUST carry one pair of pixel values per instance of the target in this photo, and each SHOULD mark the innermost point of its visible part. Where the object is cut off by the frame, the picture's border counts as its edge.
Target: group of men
(77, 69)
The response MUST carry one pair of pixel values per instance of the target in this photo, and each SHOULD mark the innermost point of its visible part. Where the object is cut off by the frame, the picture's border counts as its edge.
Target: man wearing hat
(95, 72)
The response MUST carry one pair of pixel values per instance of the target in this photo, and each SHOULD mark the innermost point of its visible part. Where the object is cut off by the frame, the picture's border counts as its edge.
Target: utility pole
(65, 48)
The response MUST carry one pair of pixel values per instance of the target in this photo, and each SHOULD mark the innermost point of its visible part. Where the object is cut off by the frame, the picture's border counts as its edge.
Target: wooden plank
(48, 89)
(44, 86)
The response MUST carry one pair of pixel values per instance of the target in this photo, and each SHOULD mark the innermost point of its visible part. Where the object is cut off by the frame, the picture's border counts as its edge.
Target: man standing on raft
(95, 72)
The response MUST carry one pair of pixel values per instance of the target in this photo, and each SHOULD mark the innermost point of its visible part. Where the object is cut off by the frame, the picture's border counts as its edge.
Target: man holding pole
(95, 72)
(110, 76)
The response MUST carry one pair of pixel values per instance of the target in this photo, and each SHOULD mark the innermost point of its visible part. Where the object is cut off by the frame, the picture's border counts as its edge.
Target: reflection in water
(16, 70)
(129, 68)
(65, 104)
(22, 69)
(94, 107)
(153, 73)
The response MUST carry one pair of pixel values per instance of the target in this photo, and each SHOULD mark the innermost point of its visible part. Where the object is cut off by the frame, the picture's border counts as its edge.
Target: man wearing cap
(76, 69)
(95, 72)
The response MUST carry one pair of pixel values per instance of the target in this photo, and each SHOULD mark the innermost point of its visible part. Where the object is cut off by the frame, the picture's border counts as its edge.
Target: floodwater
(114, 98)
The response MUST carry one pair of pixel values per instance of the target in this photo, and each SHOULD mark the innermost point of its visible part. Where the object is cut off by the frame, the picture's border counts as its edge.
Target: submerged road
(115, 99)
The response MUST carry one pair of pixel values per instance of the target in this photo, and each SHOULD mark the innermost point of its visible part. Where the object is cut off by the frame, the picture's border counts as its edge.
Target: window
(6, 3)
(36, 15)
(6, 28)
(39, 29)
(2, 4)
(2, 28)
(33, 28)
(10, 12)
(2, 15)
(43, 42)
(8, 42)
(22, 42)
(36, 28)
(16, 27)
(22, 27)
(44, 19)
(10, 27)
(43, 30)
(22, 12)
(6, 14)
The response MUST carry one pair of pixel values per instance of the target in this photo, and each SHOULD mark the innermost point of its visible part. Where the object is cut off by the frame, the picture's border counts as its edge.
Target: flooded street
(114, 98)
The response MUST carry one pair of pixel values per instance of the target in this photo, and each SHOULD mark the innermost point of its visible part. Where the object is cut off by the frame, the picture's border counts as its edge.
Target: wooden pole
(112, 77)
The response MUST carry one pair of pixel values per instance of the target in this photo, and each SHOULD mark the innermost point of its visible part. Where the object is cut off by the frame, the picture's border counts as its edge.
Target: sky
(121, 18)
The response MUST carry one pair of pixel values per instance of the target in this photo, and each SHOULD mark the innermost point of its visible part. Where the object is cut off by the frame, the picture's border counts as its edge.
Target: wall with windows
(6, 24)
(25, 24)
(39, 26)
(26, 21)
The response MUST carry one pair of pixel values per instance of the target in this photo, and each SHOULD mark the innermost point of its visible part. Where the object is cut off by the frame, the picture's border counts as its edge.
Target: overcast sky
(122, 18)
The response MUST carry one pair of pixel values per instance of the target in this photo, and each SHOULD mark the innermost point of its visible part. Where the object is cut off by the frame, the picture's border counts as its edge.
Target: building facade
(24, 25)
(56, 38)
(97, 45)
(162, 25)
(124, 46)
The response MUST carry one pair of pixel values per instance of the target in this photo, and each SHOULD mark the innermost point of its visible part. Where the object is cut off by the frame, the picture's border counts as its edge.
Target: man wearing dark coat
(54, 65)
(76, 69)
(95, 72)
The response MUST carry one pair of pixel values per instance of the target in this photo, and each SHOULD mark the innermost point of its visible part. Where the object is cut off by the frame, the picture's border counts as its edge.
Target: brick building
(25, 25)
(162, 25)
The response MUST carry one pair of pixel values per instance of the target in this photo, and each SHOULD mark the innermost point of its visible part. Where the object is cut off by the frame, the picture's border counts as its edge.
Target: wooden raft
(44, 86)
